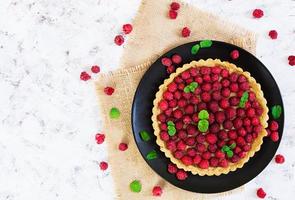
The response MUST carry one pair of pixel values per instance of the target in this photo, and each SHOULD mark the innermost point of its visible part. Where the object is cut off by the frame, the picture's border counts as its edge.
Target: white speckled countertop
(48, 117)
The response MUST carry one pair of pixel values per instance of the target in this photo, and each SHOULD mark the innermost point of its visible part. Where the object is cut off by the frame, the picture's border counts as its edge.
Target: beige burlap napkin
(153, 35)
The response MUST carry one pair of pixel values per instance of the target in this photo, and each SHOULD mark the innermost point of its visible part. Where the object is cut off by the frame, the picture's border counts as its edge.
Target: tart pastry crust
(254, 86)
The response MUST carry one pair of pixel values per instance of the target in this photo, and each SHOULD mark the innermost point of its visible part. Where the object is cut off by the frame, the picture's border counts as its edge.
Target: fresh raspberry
(182, 103)
(204, 164)
(127, 28)
(164, 136)
(222, 135)
(168, 112)
(212, 148)
(291, 57)
(260, 193)
(224, 73)
(240, 141)
(240, 112)
(230, 113)
(206, 87)
(187, 95)
(213, 162)
(194, 71)
(172, 14)
(211, 138)
(200, 138)
(185, 32)
(257, 13)
(163, 127)
(181, 146)
(191, 129)
(195, 100)
(223, 163)
(181, 175)
(216, 95)
(242, 154)
(273, 34)
(205, 70)
(172, 87)
(244, 86)
(167, 95)
(157, 191)
(187, 160)
(191, 152)
(177, 79)
(185, 75)
(215, 78)
(224, 103)
(292, 62)
(242, 132)
(174, 6)
(234, 87)
(228, 124)
(216, 70)
(199, 80)
(201, 148)
(84, 76)
(197, 159)
(242, 78)
(109, 90)
(99, 138)
(95, 69)
(274, 136)
(246, 147)
(206, 155)
(232, 134)
(172, 169)
(161, 117)
(176, 58)
(171, 145)
(219, 116)
(235, 159)
(250, 112)
(211, 119)
(163, 105)
(225, 92)
(249, 138)
(234, 101)
(205, 96)
(216, 85)
(214, 128)
(255, 121)
(220, 143)
(234, 77)
(190, 141)
(119, 40)
(170, 69)
(219, 154)
(279, 159)
(234, 54)
(178, 154)
(189, 109)
(213, 106)
(103, 165)
(172, 103)
(273, 126)
(166, 61)
(178, 125)
(207, 78)
(123, 146)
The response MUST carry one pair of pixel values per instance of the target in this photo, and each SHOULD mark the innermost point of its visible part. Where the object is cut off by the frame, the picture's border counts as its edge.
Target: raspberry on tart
(206, 118)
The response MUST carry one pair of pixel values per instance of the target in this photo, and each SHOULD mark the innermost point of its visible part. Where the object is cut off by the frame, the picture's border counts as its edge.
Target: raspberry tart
(210, 117)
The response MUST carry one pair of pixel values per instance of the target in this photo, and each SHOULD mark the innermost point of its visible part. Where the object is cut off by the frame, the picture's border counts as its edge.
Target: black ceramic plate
(142, 112)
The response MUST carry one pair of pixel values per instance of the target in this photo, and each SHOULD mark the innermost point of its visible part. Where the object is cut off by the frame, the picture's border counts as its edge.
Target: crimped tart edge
(255, 87)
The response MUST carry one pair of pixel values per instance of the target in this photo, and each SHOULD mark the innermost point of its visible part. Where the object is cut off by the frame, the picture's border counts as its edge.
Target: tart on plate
(209, 117)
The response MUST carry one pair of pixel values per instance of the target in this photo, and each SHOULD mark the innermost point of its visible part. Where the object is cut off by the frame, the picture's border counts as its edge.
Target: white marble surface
(48, 117)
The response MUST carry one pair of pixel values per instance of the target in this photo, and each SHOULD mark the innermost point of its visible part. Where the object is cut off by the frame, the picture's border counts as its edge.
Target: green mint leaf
(195, 49)
(187, 89)
(170, 123)
(233, 145)
(230, 153)
(135, 186)
(145, 136)
(206, 43)
(203, 125)
(203, 114)
(276, 111)
(225, 148)
(244, 99)
(114, 113)
(194, 84)
(172, 131)
(152, 155)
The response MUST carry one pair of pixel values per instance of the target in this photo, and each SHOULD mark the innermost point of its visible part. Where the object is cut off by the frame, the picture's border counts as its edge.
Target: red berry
(171, 145)
(176, 59)
(185, 75)
(103, 165)
(219, 154)
(274, 136)
(219, 116)
(197, 159)
(234, 87)
(95, 69)
(178, 154)
(123, 146)
(164, 136)
(224, 73)
(228, 124)
(292, 62)
(177, 113)
(223, 163)
(224, 103)
(163, 127)
(84, 76)
(212, 148)
(189, 109)
(185, 32)
(230, 113)
(181, 145)
(109, 90)
(213, 162)
(225, 92)
(119, 40)
(204, 164)
(174, 6)
(279, 159)
(273, 126)
(273, 34)
(291, 57)
(232, 134)
(172, 169)
(190, 141)
(170, 69)
(234, 54)
(127, 28)
(172, 14)
(166, 61)
(201, 138)
(222, 135)
(260, 193)
(200, 147)
(163, 105)
(191, 152)
(206, 155)
(167, 95)
(205, 96)
(182, 103)
(181, 175)
(99, 138)
(250, 112)
(214, 128)
(257, 13)
(213, 106)
(157, 191)
(172, 87)
(216, 95)
(187, 160)
(255, 121)
(211, 138)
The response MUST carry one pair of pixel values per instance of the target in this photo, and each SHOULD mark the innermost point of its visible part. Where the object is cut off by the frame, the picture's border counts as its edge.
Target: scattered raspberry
(185, 32)
(274, 136)
(257, 13)
(166, 61)
(103, 165)
(172, 14)
(127, 28)
(234, 54)
(84, 76)
(174, 6)
(99, 138)
(123, 146)
(170, 69)
(157, 191)
(109, 90)
(172, 169)
(181, 175)
(119, 40)
(176, 59)
(273, 34)
(279, 159)
(260, 193)
(291, 60)
(95, 69)
(274, 126)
